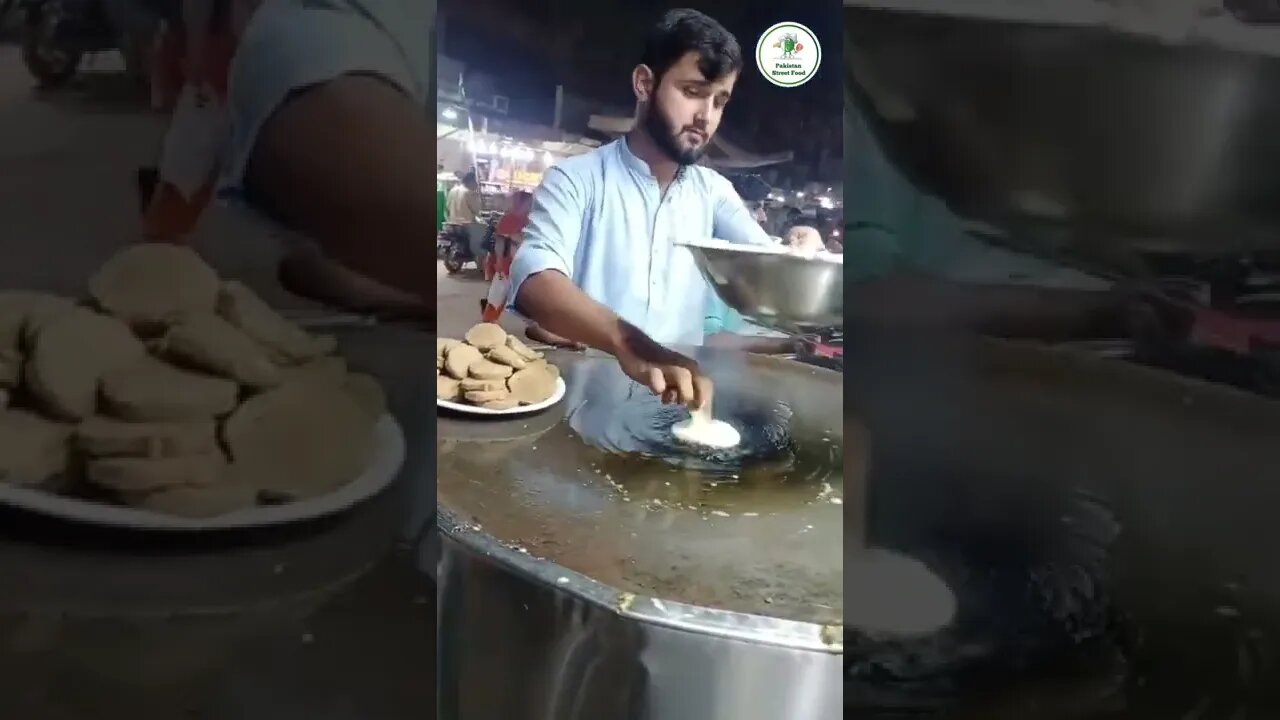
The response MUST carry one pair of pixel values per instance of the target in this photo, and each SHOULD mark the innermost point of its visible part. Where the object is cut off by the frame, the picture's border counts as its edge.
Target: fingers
(683, 380)
(656, 382)
(703, 390)
(669, 375)
(674, 385)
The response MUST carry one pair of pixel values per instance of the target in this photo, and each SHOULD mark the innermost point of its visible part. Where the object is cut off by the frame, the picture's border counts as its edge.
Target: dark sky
(591, 46)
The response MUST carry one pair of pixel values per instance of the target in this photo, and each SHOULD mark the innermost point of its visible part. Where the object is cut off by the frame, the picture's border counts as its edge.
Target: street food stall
(619, 582)
(506, 159)
(1100, 512)
(592, 566)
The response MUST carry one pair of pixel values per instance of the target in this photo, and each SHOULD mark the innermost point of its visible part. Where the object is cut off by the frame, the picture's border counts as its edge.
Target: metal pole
(559, 114)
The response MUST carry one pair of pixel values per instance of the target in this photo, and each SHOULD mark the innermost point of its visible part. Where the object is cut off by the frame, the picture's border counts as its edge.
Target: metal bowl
(780, 291)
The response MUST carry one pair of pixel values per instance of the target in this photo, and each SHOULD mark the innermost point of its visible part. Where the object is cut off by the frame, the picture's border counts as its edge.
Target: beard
(667, 137)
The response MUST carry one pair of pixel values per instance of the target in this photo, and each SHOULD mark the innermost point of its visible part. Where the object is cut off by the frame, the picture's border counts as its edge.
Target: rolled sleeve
(552, 234)
(732, 219)
(291, 45)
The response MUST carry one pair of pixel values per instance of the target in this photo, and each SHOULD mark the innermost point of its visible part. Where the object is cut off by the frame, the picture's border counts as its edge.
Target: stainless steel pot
(527, 639)
(590, 571)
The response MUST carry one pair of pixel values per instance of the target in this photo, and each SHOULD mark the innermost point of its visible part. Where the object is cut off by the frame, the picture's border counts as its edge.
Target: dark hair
(469, 178)
(682, 31)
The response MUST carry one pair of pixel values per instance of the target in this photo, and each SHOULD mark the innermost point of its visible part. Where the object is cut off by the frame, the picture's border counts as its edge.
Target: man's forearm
(557, 305)
(348, 165)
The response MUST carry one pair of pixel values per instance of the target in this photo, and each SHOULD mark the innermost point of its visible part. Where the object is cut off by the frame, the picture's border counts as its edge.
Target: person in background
(442, 207)
(464, 205)
(506, 239)
(509, 234)
(194, 56)
(464, 201)
(726, 328)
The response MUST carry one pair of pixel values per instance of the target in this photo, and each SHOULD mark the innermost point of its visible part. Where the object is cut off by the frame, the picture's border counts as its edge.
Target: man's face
(683, 112)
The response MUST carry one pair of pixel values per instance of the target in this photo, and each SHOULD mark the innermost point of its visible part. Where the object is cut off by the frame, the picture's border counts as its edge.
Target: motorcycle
(57, 34)
(454, 247)
(454, 243)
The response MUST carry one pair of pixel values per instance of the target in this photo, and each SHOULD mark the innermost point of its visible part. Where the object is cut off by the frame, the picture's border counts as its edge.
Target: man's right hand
(668, 374)
(561, 308)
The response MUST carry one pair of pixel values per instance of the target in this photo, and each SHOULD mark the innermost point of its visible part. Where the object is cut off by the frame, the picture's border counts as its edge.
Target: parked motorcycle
(57, 34)
(455, 243)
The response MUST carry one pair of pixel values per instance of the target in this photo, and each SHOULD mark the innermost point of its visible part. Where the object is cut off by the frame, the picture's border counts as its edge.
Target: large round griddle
(1108, 531)
(598, 486)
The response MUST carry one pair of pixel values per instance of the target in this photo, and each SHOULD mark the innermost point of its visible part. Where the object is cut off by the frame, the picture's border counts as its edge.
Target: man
(463, 203)
(507, 236)
(463, 206)
(600, 264)
(196, 51)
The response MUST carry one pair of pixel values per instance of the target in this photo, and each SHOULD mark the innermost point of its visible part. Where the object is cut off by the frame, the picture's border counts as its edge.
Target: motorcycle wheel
(453, 261)
(50, 63)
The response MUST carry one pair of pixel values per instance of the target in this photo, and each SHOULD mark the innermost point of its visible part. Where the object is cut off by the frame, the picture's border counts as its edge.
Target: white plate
(556, 397)
(388, 456)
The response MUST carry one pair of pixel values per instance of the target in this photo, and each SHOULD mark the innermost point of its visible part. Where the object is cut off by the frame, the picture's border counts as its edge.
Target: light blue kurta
(600, 219)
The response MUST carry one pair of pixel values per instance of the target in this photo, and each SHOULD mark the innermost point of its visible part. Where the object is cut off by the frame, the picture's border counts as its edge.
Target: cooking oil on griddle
(769, 467)
(603, 488)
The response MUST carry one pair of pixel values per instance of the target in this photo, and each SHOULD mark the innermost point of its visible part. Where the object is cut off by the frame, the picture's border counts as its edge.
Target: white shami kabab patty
(702, 430)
